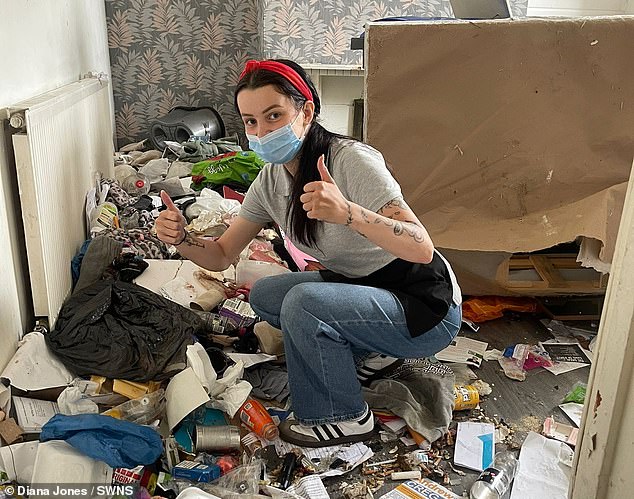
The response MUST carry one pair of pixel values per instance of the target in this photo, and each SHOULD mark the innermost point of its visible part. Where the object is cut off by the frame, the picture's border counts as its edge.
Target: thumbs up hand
(322, 199)
(170, 224)
(167, 201)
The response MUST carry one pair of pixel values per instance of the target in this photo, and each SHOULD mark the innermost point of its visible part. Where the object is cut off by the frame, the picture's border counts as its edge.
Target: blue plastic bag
(120, 444)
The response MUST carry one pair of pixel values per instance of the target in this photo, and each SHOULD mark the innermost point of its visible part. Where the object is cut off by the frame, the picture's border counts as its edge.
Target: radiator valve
(17, 120)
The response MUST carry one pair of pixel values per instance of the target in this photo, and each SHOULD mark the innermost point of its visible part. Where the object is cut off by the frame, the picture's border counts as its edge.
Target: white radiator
(64, 144)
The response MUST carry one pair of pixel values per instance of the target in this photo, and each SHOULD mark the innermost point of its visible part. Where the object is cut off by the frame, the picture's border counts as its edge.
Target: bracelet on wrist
(182, 240)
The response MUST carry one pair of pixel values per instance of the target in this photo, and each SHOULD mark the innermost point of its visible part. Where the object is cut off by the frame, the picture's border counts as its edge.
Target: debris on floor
(182, 395)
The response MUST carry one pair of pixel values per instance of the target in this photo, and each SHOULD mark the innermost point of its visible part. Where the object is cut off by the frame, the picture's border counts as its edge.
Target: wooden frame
(552, 282)
(602, 467)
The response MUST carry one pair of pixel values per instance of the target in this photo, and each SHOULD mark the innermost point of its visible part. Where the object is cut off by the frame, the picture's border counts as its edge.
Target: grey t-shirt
(362, 176)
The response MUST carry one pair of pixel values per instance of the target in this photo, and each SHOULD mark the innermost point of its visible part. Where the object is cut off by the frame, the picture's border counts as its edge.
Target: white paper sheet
(564, 367)
(475, 445)
(195, 493)
(17, 461)
(542, 473)
(34, 367)
(5, 398)
(160, 272)
(251, 359)
(181, 291)
(229, 392)
(464, 351)
(396, 425)
(58, 462)
(198, 360)
(32, 414)
(184, 394)
(574, 411)
(309, 487)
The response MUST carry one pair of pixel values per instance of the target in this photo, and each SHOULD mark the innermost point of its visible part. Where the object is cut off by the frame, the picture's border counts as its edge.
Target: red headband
(286, 71)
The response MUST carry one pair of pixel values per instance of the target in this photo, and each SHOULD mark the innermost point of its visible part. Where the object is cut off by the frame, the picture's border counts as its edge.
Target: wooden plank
(547, 272)
(559, 262)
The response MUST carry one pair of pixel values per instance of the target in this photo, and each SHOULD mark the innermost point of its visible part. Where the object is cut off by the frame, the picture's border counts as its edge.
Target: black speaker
(183, 122)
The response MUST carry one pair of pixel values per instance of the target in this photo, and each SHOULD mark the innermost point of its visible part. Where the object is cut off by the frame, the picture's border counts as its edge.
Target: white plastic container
(58, 462)
(249, 271)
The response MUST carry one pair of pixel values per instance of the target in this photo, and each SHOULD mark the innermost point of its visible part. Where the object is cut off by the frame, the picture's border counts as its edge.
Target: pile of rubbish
(159, 380)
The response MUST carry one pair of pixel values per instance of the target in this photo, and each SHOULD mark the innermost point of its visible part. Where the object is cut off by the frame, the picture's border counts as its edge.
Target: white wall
(44, 44)
(573, 8)
(337, 96)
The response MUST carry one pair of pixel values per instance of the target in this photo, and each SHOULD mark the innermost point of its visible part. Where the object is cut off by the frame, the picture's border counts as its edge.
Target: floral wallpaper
(165, 53)
(319, 31)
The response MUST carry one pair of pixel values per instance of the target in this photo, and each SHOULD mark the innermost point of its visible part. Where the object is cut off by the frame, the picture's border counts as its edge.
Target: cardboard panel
(509, 135)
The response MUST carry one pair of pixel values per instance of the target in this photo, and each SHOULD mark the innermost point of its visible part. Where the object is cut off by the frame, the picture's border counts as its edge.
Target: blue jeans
(327, 327)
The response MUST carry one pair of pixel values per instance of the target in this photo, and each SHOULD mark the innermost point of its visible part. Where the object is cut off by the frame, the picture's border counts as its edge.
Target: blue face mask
(279, 146)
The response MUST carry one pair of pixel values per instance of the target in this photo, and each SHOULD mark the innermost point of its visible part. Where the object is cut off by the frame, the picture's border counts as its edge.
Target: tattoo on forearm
(191, 241)
(395, 203)
(410, 229)
(349, 220)
(407, 227)
(365, 216)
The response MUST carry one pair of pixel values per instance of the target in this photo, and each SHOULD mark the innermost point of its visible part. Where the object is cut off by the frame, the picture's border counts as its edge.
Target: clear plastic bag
(142, 410)
(239, 483)
(514, 365)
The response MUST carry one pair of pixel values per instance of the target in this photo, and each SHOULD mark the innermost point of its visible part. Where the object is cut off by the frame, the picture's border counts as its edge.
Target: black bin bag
(121, 330)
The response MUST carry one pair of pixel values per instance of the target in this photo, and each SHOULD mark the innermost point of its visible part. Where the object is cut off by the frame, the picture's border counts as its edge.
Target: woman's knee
(300, 303)
(257, 295)
(266, 295)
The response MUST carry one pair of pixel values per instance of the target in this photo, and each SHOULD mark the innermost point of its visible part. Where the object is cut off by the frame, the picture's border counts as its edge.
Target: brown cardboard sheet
(506, 136)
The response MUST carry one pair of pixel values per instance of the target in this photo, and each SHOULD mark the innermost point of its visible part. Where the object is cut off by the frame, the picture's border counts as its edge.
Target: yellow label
(465, 397)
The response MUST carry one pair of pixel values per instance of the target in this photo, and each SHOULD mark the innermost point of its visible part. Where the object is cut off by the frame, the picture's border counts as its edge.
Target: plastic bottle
(136, 184)
(142, 410)
(254, 416)
(494, 481)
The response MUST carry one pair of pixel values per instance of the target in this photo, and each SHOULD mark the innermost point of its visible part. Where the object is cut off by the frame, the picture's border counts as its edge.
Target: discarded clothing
(141, 241)
(99, 255)
(119, 444)
(121, 330)
(126, 268)
(196, 149)
(420, 392)
(269, 382)
(116, 194)
(75, 264)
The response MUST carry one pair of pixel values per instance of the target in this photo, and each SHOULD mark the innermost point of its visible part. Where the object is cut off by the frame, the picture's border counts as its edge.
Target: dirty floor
(523, 406)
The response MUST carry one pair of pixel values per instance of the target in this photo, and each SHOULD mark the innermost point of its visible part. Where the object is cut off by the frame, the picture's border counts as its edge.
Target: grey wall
(190, 52)
(166, 53)
(319, 31)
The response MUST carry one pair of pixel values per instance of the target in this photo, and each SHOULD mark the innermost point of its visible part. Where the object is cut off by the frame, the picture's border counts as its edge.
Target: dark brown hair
(317, 142)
